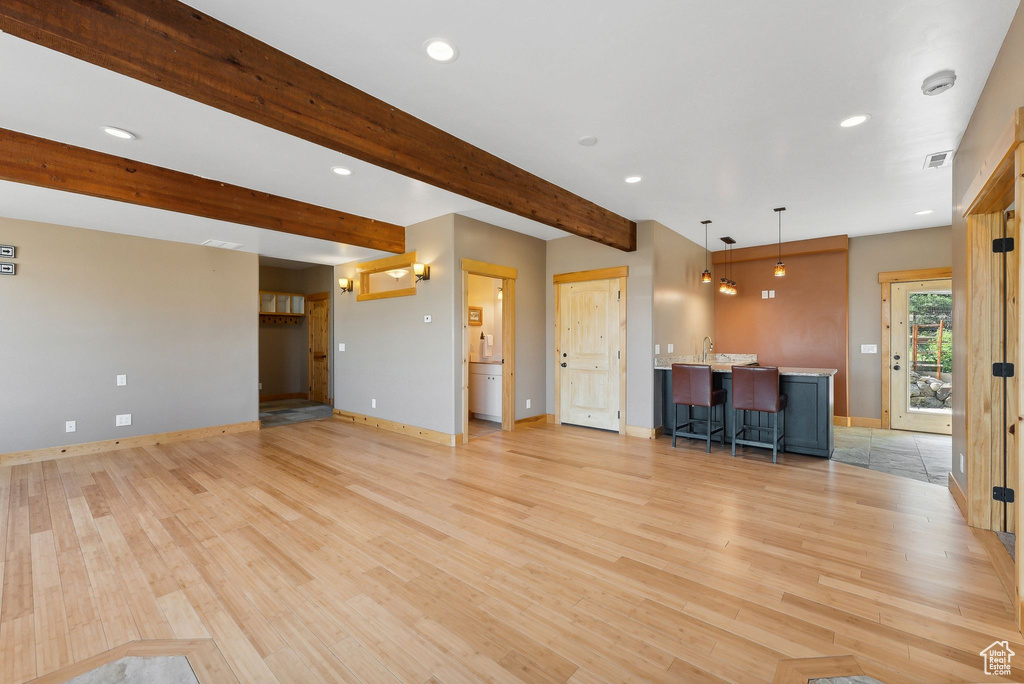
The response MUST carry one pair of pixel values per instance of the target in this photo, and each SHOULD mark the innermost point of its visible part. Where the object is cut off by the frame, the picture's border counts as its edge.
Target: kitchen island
(809, 415)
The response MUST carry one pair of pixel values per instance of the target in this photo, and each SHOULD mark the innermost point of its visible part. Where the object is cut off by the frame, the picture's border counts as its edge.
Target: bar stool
(756, 388)
(693, 385)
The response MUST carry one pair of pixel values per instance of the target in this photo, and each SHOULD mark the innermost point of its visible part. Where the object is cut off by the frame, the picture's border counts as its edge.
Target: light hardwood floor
(330, 551)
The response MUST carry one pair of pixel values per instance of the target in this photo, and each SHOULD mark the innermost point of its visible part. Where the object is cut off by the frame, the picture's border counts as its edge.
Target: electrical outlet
(657, 349)
(961, 463)
(528, 403)
(70, 426)
(122, 419)
(6, 251)
(341, 346)
(122, 380)
(261, 386)
(7, 268)
(373, 403)
(671, 348)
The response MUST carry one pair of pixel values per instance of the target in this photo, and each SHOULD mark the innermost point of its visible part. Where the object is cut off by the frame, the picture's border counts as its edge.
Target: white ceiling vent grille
(938, 160)
(221, 244)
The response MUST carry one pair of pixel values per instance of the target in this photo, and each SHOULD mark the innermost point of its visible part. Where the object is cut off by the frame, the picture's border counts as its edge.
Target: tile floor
(478, 427)
(917, 455)
(288, 411)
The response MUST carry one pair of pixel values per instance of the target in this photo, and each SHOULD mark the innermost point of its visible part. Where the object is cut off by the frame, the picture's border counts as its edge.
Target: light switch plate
(122, 380)
(657, 349)
(961, 463)
(341, 346)
(771, 294)
(764, 294)
(527, 403)
(373, 403)
(70, 426)
(6, 251)
(428, 318)
(122, 419)
(869, 349)
(261, 386)
(671, 348)
(7, 268)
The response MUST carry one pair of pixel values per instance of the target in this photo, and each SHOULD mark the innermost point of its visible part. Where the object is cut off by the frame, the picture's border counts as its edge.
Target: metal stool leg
(675, 423)
(775, 439)
(721, 437)
(711, 410)
(733, 433)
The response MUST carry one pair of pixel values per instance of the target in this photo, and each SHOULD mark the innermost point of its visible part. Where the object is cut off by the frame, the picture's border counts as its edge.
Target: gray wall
(485, 242)
(870, 255)
(179, 320)
(1003, 93)
(284, 356)
(569, 254)
(391, 355)
(684, 308)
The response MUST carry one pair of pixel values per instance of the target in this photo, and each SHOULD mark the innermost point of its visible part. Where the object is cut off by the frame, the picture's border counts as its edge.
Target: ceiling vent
(938, 160)
(220, 244)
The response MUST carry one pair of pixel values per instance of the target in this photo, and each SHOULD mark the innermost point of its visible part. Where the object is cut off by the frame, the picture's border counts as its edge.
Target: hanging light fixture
(728, 285)
(780, 268)
(705, 277)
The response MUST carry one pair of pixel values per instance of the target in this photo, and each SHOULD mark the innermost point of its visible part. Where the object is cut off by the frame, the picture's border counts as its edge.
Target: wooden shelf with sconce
(282, 308)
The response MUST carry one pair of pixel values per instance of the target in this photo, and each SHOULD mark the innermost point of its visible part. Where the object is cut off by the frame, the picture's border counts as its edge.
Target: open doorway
(488, 349)
(294, 342)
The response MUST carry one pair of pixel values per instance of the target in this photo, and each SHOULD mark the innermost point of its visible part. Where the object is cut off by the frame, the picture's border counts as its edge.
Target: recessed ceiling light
(221, 244)
(118, 133)
(854, 120)
(923, 212)
(587, 141)
(633, 179)
(441, 50)
(341, 171)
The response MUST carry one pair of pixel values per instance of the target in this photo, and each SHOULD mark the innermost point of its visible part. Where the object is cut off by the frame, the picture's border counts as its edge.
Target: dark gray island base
(809, 414)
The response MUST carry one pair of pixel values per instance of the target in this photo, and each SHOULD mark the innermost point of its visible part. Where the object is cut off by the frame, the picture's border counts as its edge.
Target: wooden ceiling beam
(49, 164)
(172, 46)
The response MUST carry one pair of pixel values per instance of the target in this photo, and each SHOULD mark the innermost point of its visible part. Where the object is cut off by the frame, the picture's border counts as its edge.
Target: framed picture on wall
(476, 315)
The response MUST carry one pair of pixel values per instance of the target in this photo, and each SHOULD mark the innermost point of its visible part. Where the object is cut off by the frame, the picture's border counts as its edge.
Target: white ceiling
(726, 109)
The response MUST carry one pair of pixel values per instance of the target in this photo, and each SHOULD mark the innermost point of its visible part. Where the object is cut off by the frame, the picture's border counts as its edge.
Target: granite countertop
(783, 370)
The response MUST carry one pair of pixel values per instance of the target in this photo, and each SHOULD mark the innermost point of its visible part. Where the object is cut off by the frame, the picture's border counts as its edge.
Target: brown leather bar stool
(756, 388)
(693, 385)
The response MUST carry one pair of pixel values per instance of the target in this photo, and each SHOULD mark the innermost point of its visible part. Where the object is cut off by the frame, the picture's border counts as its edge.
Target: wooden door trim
(595, 274)
(624, 270)
(942, 273)
(325, 297)
(507, 275)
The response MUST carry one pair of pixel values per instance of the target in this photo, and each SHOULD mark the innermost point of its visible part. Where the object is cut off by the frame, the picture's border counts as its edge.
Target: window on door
(922, 356)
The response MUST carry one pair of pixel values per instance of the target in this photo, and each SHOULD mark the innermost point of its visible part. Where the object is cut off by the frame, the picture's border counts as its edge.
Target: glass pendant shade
(705, 277)
(724, 287)
(780, 270)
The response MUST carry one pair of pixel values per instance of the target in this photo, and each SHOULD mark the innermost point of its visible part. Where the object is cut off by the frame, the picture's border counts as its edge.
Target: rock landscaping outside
(929, 392)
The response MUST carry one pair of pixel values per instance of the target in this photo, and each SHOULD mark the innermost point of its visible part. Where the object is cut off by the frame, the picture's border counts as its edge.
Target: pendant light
(705, 277)
(780, 268)
(728, 285)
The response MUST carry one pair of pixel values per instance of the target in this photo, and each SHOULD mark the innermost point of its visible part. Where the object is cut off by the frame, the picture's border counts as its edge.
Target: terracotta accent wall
(806, 323)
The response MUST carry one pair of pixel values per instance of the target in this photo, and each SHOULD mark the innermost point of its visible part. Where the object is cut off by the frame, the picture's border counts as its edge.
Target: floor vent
(938, 160)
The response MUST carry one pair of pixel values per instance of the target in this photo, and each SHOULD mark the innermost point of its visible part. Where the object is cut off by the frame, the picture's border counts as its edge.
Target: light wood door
(318, 315)
(920, 348)
(589, 354)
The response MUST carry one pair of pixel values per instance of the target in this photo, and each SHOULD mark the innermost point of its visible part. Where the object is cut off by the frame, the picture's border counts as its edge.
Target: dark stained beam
(38, 161)
(175, 47)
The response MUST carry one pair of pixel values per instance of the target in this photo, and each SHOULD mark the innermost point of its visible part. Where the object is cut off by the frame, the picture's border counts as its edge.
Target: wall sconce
(421, 271)
(346, 284)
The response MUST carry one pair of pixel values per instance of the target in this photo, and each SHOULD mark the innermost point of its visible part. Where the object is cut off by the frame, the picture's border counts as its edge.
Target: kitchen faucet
(706, 345)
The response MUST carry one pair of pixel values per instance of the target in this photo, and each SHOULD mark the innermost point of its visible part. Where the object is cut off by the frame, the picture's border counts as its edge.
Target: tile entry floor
(917, 455)
(288, 411)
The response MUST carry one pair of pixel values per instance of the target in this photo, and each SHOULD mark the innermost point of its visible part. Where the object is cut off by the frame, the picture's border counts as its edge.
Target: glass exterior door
(921, 363)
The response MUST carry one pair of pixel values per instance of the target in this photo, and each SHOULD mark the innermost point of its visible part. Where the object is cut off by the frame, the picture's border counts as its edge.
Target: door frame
(924, 285)
(508, 276)
(886, 279)
(309, 343)
(616, 272)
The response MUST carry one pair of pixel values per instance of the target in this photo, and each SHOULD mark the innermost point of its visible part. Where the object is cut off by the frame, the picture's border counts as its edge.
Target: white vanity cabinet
(485, 390)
